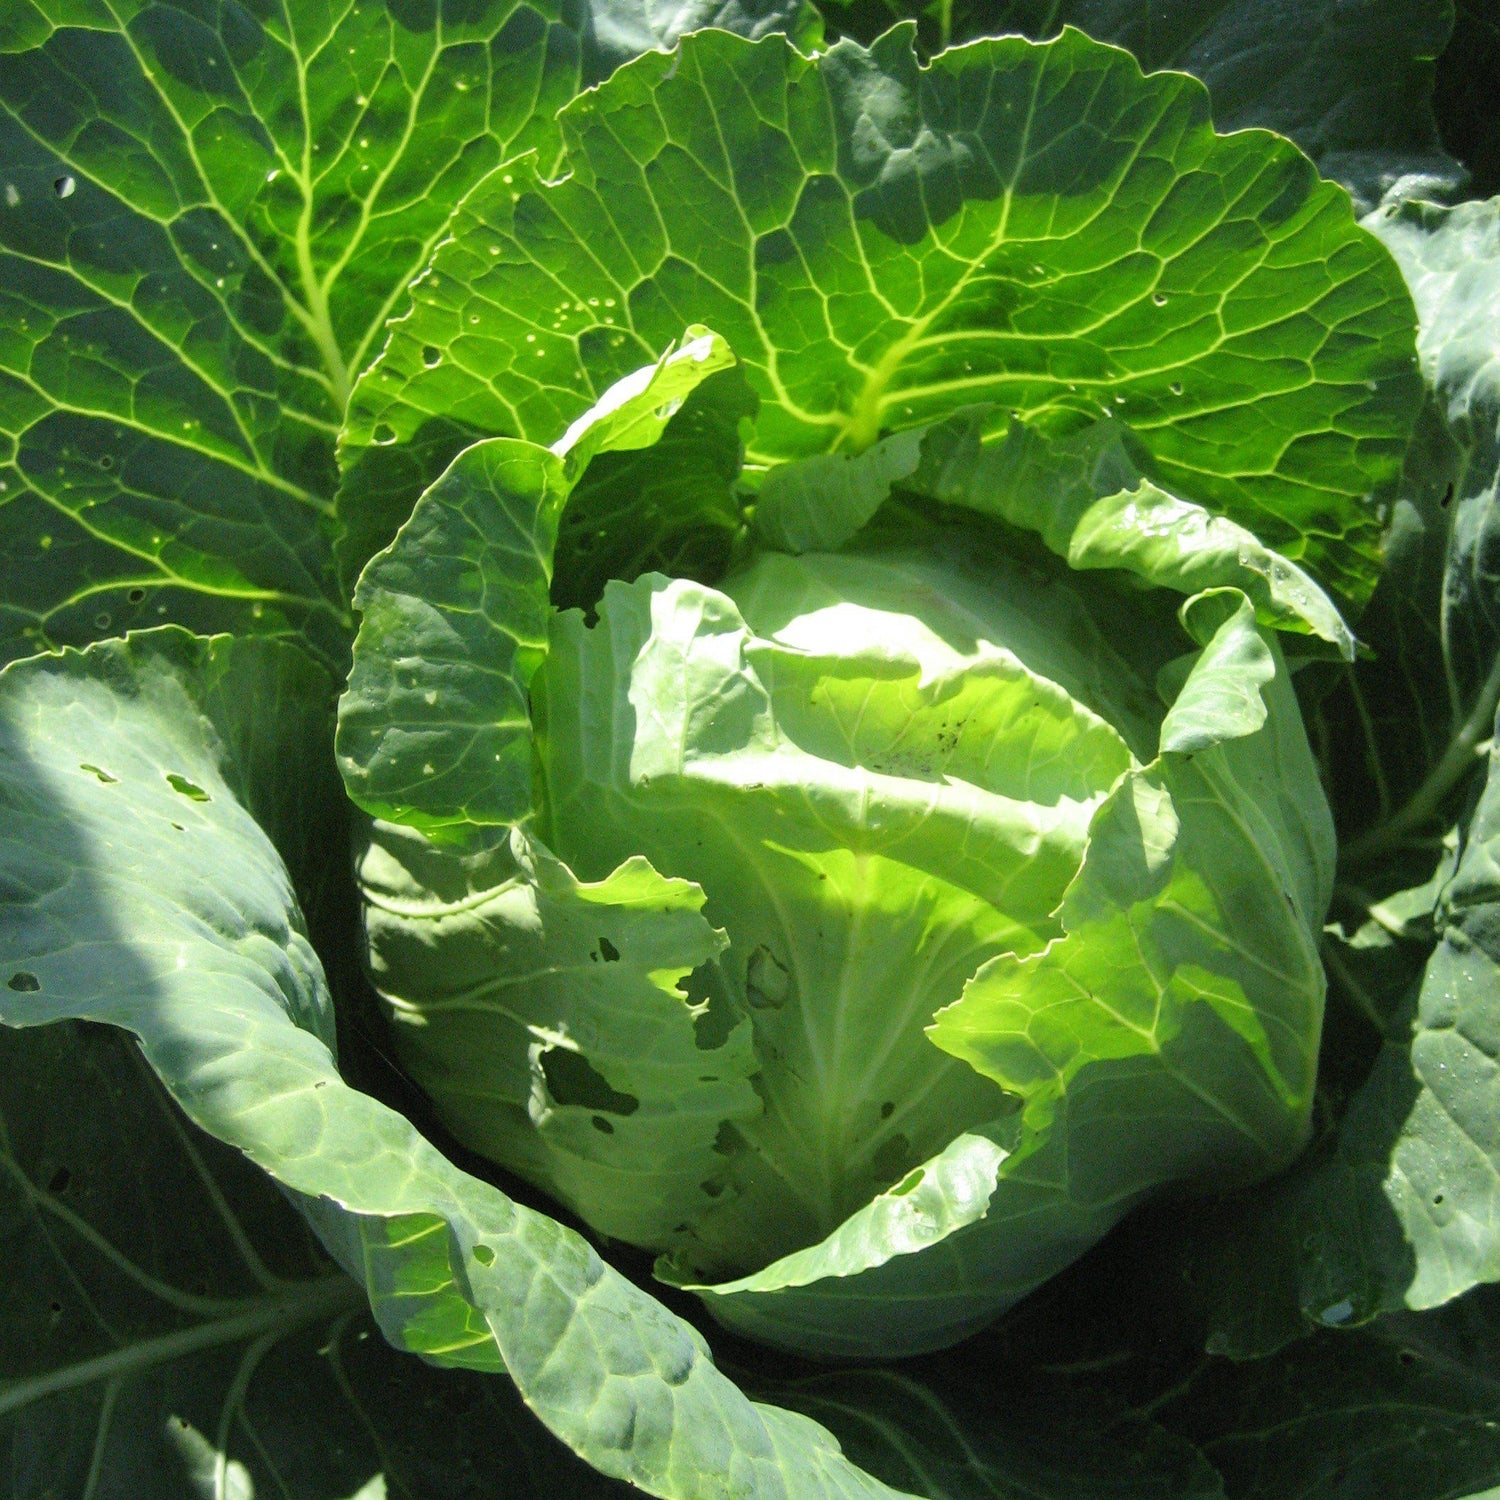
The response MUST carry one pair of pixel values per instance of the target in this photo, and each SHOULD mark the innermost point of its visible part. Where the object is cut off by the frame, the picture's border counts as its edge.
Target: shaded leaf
(1351, 83)
(1406, 1407)
(942, 1439)
(171, 1328)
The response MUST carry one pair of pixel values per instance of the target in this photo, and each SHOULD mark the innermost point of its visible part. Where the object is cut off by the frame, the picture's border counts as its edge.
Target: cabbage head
(877, 924)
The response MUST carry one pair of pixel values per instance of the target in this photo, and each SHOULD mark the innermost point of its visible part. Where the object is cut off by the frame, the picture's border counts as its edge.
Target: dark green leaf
(1410, 1407)
(1466, 76)
(207, 217)
(169, 1327)
(1349, 80)
(946, 1440)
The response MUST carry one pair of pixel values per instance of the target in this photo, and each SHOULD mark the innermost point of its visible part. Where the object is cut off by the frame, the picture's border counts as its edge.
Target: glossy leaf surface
(1037, 228)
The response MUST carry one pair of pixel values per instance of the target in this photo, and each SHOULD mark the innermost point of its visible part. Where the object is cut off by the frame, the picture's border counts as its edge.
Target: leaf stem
(279, 1314)
(1455, 764)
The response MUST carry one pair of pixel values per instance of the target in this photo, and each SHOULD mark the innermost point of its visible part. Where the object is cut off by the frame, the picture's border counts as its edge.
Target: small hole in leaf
(58, 1182)
(907, 1183)
(607, 949)
(64, 187)
(24, 982)
(484, 1255)
(1408, 1357)
(1437, 1199)
(432, 356)
(98, 771)
(179, 828)
(1447, 499)
(56, 1309)
(572, 1079)
(186, 788)
(603, 1126)
(384, 433)
(321, 1083)
(136, 595)
(887, 1110)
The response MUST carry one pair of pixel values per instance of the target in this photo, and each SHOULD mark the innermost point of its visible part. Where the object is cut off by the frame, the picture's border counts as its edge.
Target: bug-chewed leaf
(1349, 80)
(434, 730)
(804, 765)
(170, 1324)
(1037, 227)
(148, 897)
(206, 222)
(566, 999)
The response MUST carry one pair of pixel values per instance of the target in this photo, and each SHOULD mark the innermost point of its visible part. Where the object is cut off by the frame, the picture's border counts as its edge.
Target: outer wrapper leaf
(434, 730)
(1035, 227)
(1396, 1206)
(1351, 81)
(190, 937)
(205, 220)
(169, 1324)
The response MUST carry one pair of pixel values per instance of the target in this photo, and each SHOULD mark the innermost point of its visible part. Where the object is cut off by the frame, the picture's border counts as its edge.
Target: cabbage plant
(873, 932)
(765, 726)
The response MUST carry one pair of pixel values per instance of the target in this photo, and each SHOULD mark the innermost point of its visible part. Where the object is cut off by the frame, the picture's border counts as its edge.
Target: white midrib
(279, 1313)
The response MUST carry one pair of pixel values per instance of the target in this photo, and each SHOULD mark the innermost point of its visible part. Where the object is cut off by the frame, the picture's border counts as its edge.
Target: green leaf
(1039, 228)
(558, 1004)
(1349, 80)
(434, 730)
(1085, 496)
(1406, 1407)
(1170, 1033)
(133, 901)
(206, 222)
(819, 503)
(618, 30)
(170, 1327)
(674, 508)
(820, 1299)
(931, 1431)
(1461, 97)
